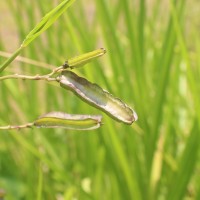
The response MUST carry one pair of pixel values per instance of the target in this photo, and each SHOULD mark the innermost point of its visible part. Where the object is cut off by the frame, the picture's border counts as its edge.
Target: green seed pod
(96, 96)
(83, 59)
(68, 121)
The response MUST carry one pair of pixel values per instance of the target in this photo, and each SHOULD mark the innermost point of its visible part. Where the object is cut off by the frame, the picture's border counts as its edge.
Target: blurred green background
(152, 63)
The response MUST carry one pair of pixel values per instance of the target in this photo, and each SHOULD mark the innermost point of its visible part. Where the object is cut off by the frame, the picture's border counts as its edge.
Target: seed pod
(83, 59)
(96, 96)
(68, 121)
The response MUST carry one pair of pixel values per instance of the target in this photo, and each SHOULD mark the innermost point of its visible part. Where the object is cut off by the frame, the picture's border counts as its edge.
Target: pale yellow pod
(68, 121)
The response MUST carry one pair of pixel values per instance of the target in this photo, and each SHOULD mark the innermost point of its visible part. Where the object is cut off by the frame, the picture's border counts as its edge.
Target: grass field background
(152, 63)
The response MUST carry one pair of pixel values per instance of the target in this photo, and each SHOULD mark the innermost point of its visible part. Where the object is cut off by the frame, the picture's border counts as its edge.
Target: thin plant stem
(25, 77)
(47, 77)
(56, 70)
(17, 127)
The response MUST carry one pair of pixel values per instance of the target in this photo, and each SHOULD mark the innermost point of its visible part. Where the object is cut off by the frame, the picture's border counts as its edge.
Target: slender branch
(25, 77)
(56, 70)
(18, 127)
(47, 77)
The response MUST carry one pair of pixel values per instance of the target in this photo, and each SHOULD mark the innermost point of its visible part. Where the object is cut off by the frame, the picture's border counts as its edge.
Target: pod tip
(135, 116)
(103, 49)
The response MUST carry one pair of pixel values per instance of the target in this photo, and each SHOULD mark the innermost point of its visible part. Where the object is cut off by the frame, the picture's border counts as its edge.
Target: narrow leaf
(83, 59)
(96, 96)
(47, 21)
(186, 167)
(10, 59)
(68, 121)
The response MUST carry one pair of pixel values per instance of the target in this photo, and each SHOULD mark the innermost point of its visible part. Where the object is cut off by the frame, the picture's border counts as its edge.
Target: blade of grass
(131, 181)
(187, 163)
(185, 55)
(165, 61)
(47, 21)
(40, 183)
(44, 24)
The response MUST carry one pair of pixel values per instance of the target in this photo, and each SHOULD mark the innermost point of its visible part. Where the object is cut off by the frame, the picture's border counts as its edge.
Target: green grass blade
(186, 166)
(8, 61)
(165, 61)
(47, 21)
(44, 24)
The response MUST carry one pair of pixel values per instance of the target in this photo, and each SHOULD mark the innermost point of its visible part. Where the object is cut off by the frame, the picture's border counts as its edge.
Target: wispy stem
(47, 77)
(27, 60)
(18, 127)
(25, 77)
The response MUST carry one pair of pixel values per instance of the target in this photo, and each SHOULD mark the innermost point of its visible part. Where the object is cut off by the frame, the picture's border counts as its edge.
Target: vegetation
(151, 63)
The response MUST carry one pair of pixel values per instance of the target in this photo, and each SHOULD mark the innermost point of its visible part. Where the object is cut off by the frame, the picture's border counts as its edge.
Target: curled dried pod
(97, 97)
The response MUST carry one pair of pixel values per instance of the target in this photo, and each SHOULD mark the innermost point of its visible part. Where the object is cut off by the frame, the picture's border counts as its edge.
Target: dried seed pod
(68, 121)
(96, 96)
